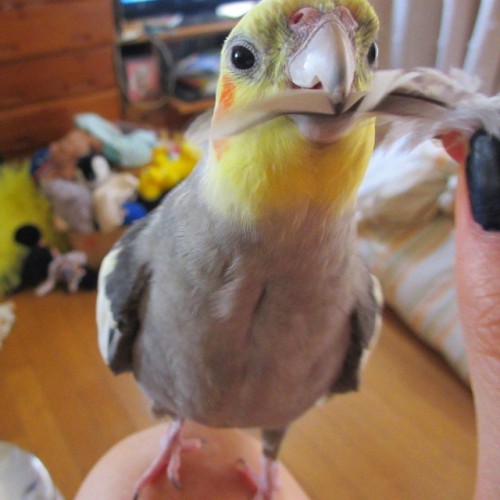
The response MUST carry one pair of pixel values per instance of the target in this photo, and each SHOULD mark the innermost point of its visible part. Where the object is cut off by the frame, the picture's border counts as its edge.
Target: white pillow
(402, 187)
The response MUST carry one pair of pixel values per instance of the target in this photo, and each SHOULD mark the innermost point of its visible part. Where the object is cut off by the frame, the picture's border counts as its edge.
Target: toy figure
(171, 163)
(45, 267)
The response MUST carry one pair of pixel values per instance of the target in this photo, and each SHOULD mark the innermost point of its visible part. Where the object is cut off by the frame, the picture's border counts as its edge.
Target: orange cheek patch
(227, 93)
(220, 146)
(225, 102)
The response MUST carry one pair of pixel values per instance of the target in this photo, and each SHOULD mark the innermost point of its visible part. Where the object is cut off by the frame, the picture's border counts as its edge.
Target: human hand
(478, 287)
(208, 473)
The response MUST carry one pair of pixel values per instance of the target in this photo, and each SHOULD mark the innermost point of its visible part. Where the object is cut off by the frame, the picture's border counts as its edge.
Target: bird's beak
(326, 60)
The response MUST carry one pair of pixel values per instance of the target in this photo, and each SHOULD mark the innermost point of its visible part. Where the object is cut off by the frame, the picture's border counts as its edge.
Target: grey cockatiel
(241, 300)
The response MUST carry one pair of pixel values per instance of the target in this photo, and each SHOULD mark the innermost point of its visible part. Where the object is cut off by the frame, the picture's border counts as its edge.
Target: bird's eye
(242, 57)
(372, 55)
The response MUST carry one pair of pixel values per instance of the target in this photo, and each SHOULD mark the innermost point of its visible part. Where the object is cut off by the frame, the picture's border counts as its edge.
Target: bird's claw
(169, 460)
(174, 465)
(265, 486)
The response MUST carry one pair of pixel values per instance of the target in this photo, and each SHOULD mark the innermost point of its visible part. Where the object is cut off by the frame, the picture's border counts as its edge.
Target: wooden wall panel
(31, 127)
(34, 28)
(53, 77)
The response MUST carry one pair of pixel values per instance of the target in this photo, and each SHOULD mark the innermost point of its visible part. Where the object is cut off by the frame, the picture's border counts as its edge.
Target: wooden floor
(409, 433)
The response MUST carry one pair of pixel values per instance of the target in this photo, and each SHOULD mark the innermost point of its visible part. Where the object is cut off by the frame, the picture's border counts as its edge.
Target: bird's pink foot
(169, 459)
(266, 485)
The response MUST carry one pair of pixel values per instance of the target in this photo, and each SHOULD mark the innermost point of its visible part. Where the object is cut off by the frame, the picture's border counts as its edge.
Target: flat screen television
(144, 8)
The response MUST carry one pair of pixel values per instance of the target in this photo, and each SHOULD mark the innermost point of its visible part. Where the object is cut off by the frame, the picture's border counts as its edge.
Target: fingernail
(483, 180)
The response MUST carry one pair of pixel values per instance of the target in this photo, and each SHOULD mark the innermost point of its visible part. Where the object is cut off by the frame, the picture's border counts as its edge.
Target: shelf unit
(180, 109)
(183, 32)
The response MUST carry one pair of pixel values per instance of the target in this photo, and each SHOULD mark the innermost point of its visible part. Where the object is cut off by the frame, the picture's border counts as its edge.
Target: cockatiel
(241, 301)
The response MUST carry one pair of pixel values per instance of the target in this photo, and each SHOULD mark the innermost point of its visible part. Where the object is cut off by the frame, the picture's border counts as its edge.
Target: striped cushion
(414, 260)
(415, 268)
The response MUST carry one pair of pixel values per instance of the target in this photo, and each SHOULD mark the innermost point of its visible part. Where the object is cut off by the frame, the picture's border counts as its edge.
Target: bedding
(406, 202)
(405, 216)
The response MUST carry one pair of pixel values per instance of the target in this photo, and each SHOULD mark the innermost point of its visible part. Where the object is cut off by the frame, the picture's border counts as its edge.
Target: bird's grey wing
(365, 327)
(123, 283)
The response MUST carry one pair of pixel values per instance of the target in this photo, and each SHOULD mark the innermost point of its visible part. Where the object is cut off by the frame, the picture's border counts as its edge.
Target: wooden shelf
(183, 32)
(133, 34)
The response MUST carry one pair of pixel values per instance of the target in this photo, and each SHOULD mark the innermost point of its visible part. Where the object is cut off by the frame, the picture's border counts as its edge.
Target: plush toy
(94, 198)
(113, 193)
(110, 197)
(94, 168)
(41, 164)
(59, 169)
(72, 204)
(36, 264)
(133, 210)
(66, 152)
(131, 149)
(44, 267)
(20, 203)
(68, 269)
(170, 164)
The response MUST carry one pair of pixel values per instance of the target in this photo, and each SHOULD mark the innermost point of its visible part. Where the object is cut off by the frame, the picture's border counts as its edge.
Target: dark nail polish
(483, 180)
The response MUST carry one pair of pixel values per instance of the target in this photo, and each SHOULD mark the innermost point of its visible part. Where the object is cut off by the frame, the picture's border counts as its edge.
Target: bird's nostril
(303, 16)
(296, 18)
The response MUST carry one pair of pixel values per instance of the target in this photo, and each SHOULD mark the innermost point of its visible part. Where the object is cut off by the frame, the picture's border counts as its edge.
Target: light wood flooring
(408, 434)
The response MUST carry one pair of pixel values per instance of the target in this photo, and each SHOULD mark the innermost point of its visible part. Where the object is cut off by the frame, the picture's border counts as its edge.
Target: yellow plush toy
(170, 164)
(20, 203)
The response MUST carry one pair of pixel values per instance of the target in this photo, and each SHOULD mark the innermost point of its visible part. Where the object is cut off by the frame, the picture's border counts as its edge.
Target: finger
(456, 146)
(478, 242)
(209, 474)
(478, 284)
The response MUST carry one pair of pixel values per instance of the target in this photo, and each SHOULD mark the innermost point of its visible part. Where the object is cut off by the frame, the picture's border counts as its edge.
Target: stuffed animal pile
(82, 186)
(86, 194)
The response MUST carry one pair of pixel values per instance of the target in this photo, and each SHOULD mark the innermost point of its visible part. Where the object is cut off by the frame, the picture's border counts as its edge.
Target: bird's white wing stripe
(105, 321)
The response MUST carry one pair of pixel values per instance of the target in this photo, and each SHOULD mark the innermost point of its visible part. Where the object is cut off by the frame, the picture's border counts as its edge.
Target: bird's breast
(258, 345)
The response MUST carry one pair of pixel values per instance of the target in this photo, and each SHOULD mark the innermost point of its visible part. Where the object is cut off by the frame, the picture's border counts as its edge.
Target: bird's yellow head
(297, 159)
